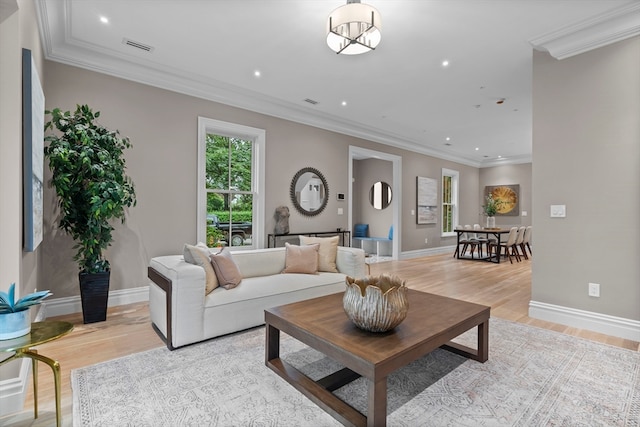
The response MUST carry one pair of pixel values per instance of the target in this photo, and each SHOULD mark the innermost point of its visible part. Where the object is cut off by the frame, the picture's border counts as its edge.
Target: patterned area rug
(534, 377)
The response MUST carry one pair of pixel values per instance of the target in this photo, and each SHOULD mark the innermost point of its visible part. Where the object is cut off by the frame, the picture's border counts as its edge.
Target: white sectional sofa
(183, 315)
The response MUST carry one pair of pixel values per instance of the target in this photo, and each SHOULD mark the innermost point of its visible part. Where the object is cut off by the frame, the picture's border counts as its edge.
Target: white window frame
(258, 136)
(455, 180)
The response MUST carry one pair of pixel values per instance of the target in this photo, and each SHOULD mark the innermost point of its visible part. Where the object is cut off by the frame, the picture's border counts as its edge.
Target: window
(449, 201)
(230, 183)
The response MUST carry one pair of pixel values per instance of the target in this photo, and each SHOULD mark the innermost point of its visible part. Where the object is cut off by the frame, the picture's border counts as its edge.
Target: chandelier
(354, 28)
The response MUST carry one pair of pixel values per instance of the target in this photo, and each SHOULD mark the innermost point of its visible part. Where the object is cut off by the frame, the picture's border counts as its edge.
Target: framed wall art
(508, 195)
(427, 200)
(33, 152)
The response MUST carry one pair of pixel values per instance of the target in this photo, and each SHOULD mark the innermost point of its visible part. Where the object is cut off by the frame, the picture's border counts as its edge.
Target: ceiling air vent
(137, 45)
(311, 101)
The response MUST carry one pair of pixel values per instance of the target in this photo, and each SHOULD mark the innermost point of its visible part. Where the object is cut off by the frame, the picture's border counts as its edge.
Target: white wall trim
(598, 322)
(69, 305)
(427, 252)
(601, 30)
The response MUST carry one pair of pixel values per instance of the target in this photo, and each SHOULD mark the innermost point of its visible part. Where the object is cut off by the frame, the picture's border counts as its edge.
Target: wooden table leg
(483, 341)
(377, 410)
(272, 350)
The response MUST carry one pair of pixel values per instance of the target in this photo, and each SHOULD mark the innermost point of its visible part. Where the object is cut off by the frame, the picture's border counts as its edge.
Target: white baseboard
(598, 322)
(427, 252)
(69, 305)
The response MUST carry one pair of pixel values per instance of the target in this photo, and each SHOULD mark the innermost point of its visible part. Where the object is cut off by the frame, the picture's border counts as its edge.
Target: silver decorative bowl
(376, 304)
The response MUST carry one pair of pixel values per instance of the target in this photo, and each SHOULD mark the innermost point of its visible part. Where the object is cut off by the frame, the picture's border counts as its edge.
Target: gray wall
(17, 31)
(586, 155)
(162, 126)
(509, 175)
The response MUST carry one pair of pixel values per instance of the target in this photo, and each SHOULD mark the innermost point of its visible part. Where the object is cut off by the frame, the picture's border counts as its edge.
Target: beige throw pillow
(226, 269)
(301, 259)
(327, 252)
(200, 256)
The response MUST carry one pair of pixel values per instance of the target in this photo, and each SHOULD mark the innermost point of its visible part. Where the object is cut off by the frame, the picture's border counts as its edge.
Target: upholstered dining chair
(482, 241)
(527, 240)
(520, 242)
(509, 245)
(464, 242)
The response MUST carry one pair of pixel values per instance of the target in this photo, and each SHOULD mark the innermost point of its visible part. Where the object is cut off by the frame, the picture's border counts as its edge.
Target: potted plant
(490, 209)
(14, 316)
(88, 175)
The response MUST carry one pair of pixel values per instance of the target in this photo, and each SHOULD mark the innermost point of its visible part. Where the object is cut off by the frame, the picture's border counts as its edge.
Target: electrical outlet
(426, 240)
(594, 289)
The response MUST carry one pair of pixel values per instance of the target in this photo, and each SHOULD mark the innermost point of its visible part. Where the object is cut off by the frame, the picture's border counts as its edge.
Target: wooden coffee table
(321, 323)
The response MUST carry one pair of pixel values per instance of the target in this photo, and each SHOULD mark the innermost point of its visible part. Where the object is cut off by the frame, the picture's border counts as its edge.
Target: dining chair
(520, 242)
(464, 241)
(527, 240)
(509, 244)
(472, 241)
(482, 241)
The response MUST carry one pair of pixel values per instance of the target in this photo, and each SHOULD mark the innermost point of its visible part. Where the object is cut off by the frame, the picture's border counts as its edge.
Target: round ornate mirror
(380, 195)
(309, 191)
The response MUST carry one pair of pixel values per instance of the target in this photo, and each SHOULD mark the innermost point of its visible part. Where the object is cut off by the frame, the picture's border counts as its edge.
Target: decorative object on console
(354, 28)
(376, 304)
(15, 320)
(282, 220)
(507, 195)
(88, 174)
(426, 200)
(309, 191)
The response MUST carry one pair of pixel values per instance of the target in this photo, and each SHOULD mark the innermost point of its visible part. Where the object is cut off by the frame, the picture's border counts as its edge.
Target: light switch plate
(558, 211)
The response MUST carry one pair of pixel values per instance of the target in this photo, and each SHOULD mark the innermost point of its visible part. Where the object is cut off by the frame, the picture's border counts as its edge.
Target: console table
(345, 237)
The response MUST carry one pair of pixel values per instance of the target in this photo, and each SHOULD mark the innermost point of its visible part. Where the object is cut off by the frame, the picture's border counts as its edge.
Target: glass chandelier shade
(354, 28)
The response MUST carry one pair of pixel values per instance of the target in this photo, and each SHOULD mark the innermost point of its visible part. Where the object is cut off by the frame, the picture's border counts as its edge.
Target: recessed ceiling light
(104, 19)
(445, 63)
(448, 139)
(257, 73)
(343, 103)
(477, 148)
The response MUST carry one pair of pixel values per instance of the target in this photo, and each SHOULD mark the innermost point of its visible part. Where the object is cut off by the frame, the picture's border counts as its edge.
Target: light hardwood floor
(504, 287)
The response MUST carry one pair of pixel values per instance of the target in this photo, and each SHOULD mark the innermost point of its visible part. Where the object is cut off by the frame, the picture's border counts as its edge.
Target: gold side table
(41, 332)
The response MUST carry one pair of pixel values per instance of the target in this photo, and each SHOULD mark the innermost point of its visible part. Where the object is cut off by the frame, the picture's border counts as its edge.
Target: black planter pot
(94, 293)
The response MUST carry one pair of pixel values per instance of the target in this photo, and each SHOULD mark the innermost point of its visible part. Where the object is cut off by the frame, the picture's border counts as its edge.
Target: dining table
(496, 233)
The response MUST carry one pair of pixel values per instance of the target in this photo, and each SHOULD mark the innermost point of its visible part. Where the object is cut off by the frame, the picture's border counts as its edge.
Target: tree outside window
(228, 179)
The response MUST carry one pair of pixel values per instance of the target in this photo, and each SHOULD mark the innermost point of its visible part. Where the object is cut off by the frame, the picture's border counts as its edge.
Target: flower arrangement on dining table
(491, 205)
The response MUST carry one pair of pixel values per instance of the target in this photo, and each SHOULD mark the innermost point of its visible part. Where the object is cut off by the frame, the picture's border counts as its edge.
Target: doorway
(359, 153)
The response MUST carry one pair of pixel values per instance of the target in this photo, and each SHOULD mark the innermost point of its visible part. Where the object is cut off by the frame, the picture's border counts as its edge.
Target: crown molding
(601, 30)
(60, 46)
(7, 8)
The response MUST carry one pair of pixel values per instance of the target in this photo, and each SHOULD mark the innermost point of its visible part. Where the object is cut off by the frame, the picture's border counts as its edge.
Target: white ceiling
(399, 94)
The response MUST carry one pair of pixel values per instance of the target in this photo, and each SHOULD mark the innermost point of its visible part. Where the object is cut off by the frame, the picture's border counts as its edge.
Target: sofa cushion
(301, 259)
(200, 256)
(327, 251)
(226, 269)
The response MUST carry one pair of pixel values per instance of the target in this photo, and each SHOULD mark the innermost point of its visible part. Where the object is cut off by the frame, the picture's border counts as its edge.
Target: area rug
(534, 377)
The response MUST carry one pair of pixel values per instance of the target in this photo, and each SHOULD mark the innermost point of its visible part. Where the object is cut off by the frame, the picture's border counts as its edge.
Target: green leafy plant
(492, 205)
(88, 167)
(8, 304)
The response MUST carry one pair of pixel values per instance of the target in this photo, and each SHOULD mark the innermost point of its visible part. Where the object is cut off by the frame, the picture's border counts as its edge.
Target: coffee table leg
(377, 410)
(273, 343)
(483, 341)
